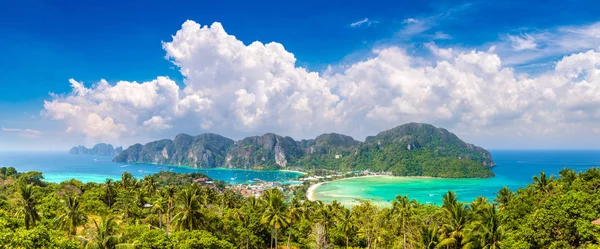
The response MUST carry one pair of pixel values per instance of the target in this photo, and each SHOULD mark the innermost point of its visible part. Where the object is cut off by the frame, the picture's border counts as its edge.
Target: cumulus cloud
(231, 87)
(29, 133)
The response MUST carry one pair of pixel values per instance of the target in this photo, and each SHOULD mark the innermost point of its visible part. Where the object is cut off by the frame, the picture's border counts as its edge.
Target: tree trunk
(159, 219)
(346, 240)
(289, 237)
(275, 238)
(404, 232)
(271, 239)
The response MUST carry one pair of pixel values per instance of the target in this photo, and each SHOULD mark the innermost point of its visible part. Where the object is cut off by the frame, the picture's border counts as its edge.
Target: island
(413, 149)
(100, 149)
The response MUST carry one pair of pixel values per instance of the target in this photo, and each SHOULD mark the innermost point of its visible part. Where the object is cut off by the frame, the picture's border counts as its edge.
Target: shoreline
(292, 171)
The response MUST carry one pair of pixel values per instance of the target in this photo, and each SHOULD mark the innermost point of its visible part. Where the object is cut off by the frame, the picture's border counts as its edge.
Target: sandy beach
(293, 171)
(310, 192)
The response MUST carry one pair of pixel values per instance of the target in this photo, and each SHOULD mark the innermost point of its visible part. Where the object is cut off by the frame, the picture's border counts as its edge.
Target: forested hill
(412, 149)
(100, 149)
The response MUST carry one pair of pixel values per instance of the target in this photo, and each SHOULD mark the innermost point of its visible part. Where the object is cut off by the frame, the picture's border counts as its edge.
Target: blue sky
(46, 43)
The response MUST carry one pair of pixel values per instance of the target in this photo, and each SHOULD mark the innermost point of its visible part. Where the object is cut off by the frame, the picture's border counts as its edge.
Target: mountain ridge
(412, 149)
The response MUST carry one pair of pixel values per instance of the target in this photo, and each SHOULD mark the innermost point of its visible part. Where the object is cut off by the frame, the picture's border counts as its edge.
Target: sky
(500, 74)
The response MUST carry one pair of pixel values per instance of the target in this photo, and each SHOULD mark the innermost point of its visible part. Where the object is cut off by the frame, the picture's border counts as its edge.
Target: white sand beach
(294, 171)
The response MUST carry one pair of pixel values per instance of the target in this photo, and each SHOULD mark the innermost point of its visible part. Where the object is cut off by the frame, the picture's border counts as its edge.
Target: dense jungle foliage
(167, 210)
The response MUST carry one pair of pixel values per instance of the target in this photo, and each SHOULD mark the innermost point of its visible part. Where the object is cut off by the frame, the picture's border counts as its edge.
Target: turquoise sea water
(514, 169)
(58, 166)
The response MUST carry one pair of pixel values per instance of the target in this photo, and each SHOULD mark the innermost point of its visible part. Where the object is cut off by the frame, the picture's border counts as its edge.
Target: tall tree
(429, 237)
(109, 193)
(403, 211)
(504, 196)
(150, 185)
(456, 219)
(543, 183)
(28, 205)
(104, 234)
(489, 229)
(275, 213)
(189, 213)
(159, 206)
(346, 222)
(72, 215)
(169, 195)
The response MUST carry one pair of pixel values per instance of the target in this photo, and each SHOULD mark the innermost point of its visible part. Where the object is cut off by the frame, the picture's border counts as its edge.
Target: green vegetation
(549, 213)
(408, 150)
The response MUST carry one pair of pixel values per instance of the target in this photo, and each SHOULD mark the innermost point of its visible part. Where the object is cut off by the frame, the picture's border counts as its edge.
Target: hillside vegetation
(412, 149)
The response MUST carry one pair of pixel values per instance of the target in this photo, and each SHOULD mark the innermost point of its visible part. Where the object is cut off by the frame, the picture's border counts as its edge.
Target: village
(257, 186)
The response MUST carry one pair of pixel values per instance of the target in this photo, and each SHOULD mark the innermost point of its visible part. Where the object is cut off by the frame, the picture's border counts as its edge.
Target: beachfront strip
(256, 187)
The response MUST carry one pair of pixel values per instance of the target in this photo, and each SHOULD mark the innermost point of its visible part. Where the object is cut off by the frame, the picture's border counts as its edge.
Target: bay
(514, 169)
(61, 166)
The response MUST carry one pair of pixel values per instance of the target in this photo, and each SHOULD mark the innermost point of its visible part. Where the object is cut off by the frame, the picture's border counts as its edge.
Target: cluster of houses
(256, 187)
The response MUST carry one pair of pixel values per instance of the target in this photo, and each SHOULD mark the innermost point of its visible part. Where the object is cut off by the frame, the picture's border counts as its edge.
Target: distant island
(100, 149)
(412, 149)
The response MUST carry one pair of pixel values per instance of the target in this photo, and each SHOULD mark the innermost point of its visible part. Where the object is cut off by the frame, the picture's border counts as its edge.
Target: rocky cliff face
(203, 151)
(100, 149)
(266, 151)
(410, 144)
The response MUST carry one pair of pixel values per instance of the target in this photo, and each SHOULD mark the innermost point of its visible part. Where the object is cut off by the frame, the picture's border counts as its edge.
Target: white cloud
(29, 133)
(543, 45)
(445, 53)
(231, 87)
(410, 20)
(157, 123)
(522, 42)
(365, 21)
(439, 35)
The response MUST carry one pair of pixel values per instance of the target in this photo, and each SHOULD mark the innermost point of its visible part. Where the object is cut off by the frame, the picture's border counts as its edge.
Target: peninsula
(412, 149)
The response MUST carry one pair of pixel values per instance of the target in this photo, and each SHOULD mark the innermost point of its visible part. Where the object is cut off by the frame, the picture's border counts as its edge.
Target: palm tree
(479, 204)
(275, 214)
(543, 183)
(489, 229)
(126, 180)
(346, 221)
(189, 214)
(29, 204)
(402, 208)
(568, 175)
(109, 193)
(244, 221)
(294, 214)
(150, 185)
(449, 199)
(429, 237)
(456, 219)
(169, 195)
(104, 236)
(159, 207)
(504, 196)
(72, 216)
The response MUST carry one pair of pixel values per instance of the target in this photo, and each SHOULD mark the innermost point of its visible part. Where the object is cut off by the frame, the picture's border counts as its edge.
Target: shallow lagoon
(514, 169)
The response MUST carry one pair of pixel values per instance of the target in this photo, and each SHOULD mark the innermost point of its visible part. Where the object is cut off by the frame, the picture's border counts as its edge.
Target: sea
(62, 166)
(515, 169)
